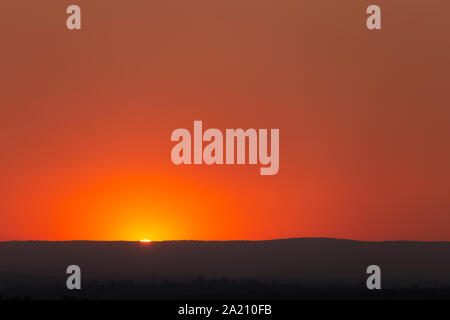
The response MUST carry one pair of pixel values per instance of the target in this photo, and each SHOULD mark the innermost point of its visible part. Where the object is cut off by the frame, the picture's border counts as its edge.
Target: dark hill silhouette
(27, 267)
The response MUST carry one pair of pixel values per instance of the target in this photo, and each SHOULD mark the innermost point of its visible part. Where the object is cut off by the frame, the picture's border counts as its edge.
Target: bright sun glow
(145, 241)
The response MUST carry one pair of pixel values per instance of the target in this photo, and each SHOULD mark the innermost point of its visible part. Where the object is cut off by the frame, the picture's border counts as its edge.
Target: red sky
(86, 118)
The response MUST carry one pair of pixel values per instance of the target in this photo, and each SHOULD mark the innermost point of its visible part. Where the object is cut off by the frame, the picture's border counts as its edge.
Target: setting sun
(145, 241)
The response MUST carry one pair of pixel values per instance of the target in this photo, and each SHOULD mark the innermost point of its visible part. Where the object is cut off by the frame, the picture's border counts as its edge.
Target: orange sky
(86, 119)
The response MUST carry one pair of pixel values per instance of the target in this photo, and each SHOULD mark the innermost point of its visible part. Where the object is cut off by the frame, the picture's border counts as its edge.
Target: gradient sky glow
(86, 118)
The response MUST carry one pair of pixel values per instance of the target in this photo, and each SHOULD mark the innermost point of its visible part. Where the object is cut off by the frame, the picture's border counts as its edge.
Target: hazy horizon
(218, 240)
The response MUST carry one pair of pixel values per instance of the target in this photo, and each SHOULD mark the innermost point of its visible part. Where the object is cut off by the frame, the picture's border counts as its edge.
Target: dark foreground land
(277, 269)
